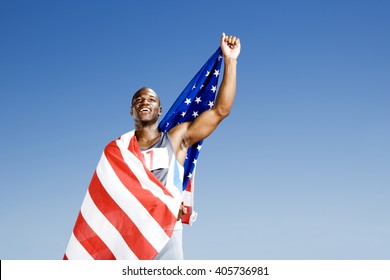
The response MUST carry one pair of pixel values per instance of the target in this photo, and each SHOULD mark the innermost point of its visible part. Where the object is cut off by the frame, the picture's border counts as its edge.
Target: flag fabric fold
(127, 212)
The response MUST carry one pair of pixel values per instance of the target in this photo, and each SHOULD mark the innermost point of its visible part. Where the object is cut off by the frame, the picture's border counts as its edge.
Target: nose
(144, 101)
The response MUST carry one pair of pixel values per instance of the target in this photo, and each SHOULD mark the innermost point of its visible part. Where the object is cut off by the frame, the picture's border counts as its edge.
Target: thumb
(223, 37)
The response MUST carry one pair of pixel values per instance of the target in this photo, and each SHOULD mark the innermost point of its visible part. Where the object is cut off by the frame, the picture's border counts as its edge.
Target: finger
(227, 40)
(231, 41)
(236, 41)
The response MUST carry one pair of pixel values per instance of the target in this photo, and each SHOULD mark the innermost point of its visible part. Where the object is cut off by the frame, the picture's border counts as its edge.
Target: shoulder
(122, 141)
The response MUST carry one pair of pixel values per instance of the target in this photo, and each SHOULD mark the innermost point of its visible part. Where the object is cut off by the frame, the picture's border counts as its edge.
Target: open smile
(144, 109)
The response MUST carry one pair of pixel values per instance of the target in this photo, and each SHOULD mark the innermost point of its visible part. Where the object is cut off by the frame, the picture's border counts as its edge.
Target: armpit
(184, 144)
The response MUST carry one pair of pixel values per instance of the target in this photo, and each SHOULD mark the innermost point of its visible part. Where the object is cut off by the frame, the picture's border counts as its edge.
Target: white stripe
(76, 251)
(105, 230)
(187, 198)
(147, 225)
(125, 138)
(138, 169)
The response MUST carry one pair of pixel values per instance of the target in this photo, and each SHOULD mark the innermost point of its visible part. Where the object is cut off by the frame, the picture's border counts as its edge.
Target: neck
(147, 135)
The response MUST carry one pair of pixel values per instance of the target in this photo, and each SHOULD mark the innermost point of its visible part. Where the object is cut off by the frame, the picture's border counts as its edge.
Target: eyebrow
(150, 95)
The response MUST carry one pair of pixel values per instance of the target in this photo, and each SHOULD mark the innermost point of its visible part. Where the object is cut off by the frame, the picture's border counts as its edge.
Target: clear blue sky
(299, 170)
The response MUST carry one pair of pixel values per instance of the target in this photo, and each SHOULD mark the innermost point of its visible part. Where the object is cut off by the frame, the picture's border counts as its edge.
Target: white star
(195, 114)
(188, 101)
(208, 73)
(198, 100)
(194, 162)
(202, 86)
(216, 73)
(183, 114)
(194, 87)
(167, 125)
(189, 175)
(199, 147)
(211, 104)
(213, 89)
(219, 57)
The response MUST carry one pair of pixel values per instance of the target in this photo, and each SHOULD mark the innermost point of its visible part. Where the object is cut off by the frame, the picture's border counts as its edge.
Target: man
(133, 206)
(146, 110)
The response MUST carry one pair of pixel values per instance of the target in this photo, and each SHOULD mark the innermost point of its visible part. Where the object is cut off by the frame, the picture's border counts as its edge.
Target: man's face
(146, 106)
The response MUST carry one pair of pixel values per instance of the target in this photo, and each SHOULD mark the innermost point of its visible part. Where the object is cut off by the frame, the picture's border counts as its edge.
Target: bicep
(203, 126)
(187, 134)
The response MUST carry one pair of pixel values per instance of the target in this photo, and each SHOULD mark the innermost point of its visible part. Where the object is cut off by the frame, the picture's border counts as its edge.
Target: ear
(131, 111)
(160, 111)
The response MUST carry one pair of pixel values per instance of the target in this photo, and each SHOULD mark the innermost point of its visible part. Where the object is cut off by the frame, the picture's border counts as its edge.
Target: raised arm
(187, 134)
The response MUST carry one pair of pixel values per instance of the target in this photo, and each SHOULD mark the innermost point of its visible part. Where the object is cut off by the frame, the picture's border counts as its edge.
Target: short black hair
(141, 90)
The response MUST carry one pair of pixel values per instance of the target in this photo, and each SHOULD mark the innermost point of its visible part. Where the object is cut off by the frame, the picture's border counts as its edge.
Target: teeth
(144, 110)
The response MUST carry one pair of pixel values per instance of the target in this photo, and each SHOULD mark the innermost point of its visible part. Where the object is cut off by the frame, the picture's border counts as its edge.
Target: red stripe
(90, 241)
(156, 208)
(129, 231)
(189, 186)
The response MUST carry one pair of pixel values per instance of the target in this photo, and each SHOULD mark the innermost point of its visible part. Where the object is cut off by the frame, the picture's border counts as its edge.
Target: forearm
(227, 90)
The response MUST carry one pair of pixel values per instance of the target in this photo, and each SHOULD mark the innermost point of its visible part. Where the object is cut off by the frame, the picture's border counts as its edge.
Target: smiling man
(172, 146)
(133, 207)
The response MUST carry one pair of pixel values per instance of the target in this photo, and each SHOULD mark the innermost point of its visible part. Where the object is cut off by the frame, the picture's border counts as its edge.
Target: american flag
(127, 212)
(197, 97)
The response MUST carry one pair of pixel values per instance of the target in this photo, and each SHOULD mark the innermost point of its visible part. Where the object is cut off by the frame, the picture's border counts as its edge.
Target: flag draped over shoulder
(127, 212)
(197, 97)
